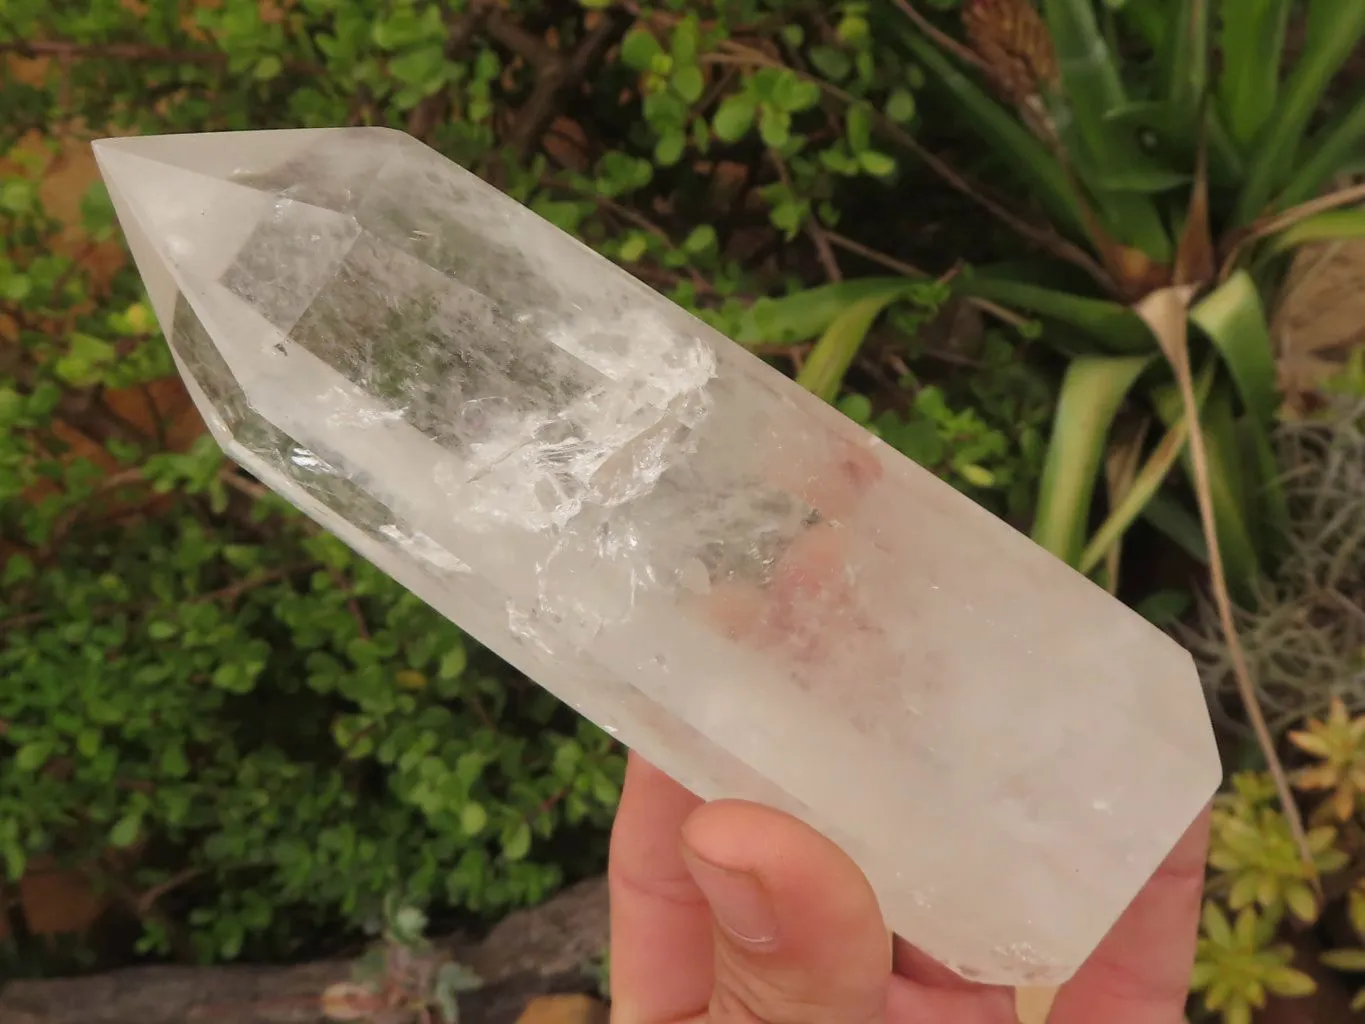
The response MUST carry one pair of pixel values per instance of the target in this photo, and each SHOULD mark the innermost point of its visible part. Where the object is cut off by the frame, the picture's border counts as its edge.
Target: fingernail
(739, 901)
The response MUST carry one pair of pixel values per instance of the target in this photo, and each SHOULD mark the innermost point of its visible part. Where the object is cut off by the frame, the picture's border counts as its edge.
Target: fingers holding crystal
(798, 935)
(1140, 973)
(661, 957)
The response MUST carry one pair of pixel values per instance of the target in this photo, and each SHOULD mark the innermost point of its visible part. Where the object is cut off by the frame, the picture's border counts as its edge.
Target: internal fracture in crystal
(669, 535)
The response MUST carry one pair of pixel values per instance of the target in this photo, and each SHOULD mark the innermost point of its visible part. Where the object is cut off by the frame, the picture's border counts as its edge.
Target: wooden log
(541, 951)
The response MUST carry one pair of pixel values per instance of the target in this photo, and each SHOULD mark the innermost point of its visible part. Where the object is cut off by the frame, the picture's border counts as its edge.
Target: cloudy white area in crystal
(672, 537)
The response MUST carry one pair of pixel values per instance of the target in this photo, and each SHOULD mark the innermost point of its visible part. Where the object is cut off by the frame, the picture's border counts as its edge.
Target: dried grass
(1304, 636)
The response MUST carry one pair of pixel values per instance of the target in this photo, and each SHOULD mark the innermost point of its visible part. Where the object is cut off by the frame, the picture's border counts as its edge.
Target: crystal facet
(671, 536)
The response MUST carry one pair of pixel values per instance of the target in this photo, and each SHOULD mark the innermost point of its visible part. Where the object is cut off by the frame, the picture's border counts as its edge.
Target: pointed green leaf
(1114, 328)
(1026, 157)
(1178, 524)
(1150, 19)
(1216, 924)
(1232, 508)
(1145, 484)
(125, 831)
(1234, 320)
(809, 313)
(1091, 393)
(1332, 226)
(1185, 60)
(1174, 138)
(1251, 40)
(828, 362)
(1145, 176)
(1335, 30)
(1345, 959)
(1093, 88)
(1330, 152)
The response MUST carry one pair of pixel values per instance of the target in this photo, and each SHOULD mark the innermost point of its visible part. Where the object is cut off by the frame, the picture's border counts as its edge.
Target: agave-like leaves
(829, 360)
(1335, 28)
(1092, 391)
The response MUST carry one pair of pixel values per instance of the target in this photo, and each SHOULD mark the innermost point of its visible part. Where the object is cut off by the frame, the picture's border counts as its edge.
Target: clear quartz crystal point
(671, 536)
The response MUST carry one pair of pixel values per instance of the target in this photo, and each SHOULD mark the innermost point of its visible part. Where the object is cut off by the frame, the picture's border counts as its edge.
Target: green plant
(1254, 855)
(248, 739)
(1167, 185)
(1352, 959)
(1157, 166)
(1304, 640)
(1338, 742)
(1237, 963)
(601, 970)
(985, 438)
(402, 979)
(1255, 872)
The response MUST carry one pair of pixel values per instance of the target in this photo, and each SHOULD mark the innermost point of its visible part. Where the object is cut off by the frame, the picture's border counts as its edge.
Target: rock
(575, 1009)
(1321, 319)
(554, 938)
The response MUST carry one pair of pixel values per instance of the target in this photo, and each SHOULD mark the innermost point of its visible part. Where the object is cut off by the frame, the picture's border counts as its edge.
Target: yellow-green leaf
(1331, 226)
(1092, 390)
(1234, 320)
(828, 362)
(1216, 925)
(1302, 901)
(1286, 981)
(1144, 486)
(1345, 959)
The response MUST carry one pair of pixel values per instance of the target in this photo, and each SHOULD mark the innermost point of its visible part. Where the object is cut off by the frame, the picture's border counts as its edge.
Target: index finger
(662, 962)
(1141, 972)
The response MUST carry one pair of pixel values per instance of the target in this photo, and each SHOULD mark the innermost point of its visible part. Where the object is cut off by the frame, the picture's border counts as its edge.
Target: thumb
(799, 938)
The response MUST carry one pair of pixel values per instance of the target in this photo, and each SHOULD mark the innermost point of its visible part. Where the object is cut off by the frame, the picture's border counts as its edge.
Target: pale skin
(731, 913)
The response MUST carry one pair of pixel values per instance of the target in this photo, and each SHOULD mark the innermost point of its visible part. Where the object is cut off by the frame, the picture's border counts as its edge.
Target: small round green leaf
(734, 118)
(689, 83)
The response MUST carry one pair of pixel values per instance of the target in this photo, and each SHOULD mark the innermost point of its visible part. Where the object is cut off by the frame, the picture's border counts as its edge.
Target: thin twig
(231, 478)
(1290, 217)
(1166, 313)
(996, 310)
(530, 48)
(946, 42)
(874, 256)
(555, 73)
(244, 585)
(638, 219)
(814, 230)
(1043, 236)
(362, 628)
(148, 899)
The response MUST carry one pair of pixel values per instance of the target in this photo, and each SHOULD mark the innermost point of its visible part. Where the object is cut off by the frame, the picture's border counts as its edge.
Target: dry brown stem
(945, 42)
(1166, 313)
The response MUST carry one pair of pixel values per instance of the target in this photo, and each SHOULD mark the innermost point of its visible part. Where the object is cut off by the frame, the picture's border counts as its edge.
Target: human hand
(730, 913)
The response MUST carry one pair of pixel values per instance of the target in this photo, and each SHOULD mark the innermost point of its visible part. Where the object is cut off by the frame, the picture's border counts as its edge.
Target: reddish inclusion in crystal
(811, 602)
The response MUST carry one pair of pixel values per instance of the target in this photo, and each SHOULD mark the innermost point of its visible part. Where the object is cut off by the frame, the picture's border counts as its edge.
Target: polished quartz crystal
(672, 537)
